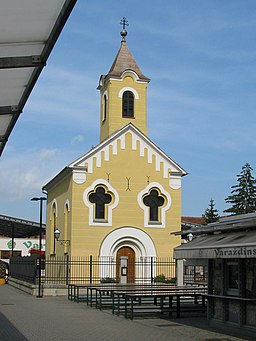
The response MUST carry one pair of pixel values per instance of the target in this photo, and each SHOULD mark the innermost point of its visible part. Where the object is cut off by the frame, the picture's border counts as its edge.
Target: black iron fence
(105, 270)
(75, 270)
(24, 268)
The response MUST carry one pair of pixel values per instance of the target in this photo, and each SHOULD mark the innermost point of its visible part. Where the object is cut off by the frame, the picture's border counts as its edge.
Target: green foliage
(162, 279)
(210, 214)
(243, 195)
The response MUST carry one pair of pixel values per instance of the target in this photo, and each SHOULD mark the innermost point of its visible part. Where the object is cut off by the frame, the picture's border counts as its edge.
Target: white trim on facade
(134, 238)
(54, 202)
(128, 236)
(92, 222)
(147, 148)
(67, 204)
(128, 88)
(147, 223)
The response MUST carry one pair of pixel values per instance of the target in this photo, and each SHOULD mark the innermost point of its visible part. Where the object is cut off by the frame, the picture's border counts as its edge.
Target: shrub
(162, 279)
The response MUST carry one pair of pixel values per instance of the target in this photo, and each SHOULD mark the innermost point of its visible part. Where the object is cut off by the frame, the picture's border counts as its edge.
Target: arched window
(104, 108)
(66, 220)
(53, 227)
(154, 201)
(100, 198)
(128, 104)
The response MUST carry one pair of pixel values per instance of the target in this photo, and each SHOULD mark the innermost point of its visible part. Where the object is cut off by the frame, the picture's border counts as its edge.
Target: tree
(243, 195)
(210, 214)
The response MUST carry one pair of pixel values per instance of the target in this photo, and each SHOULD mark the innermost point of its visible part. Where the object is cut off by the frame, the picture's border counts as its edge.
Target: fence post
(180, 272)
(67, 269)
(151, 269)
(90, 269)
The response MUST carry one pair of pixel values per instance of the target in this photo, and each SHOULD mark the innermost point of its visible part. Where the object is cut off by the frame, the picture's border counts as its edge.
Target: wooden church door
(130, 254)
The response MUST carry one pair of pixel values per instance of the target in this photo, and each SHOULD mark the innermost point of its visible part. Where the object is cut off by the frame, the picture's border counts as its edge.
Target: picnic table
(163, 301)
(86, 292)
(104, 296)
(137, 298)
(83, 292)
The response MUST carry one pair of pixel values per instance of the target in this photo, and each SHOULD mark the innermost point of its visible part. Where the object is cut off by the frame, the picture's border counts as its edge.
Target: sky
(201, 58)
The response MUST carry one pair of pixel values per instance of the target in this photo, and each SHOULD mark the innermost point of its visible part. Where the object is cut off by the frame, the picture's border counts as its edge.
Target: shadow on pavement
(8, 332)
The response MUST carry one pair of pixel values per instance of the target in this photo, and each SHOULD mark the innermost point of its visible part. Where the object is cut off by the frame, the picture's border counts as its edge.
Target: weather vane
(124, 23)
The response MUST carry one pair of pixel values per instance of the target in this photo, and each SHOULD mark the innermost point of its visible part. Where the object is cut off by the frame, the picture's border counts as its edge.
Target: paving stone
(25, 317)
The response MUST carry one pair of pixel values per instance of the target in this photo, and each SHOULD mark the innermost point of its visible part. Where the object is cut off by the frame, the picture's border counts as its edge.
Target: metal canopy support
(10, 109)
(17, 62)
(19, 228)
(37, 42)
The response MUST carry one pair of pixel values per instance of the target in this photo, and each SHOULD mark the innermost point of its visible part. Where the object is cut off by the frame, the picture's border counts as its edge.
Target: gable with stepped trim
(147, 148)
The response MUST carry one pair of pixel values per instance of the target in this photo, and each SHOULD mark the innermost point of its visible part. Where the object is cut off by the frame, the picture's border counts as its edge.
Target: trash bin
(2, 281)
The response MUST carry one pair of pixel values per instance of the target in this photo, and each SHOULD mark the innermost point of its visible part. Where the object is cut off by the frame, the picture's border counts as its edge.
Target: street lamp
(190, 237)
(41, 199)
(64, 242)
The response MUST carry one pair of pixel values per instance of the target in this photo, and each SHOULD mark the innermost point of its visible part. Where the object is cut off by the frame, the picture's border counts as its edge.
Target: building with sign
(19, 237)
(229, 247)
(22, 247)
(123, 197)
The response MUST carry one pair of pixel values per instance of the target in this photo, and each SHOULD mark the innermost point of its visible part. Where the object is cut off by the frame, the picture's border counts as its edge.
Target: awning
(19, 228)
(241, 244)
(29, 31)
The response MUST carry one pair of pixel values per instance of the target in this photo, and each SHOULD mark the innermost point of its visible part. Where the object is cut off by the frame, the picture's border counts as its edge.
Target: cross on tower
(123, 33)
(124, 22)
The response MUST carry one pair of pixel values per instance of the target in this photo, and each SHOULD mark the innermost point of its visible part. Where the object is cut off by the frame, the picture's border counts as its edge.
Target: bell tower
(123, 93)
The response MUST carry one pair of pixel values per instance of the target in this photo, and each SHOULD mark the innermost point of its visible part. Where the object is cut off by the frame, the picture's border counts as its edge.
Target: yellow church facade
(123, 197)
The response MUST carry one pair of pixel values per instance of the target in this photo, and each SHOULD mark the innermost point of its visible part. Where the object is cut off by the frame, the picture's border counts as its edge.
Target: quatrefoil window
(100, 199)
(154, 201)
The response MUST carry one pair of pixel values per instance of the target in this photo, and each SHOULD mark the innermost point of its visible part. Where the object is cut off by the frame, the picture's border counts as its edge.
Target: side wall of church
(58, 215)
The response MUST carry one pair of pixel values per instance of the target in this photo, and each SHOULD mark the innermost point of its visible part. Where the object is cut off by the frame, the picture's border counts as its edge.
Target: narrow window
(154, 201)
(128, 104)
(100, 198)
(104, 109)
(53, 227)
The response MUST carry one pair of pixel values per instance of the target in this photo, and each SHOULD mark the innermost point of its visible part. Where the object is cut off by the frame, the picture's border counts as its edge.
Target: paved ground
(24, 317)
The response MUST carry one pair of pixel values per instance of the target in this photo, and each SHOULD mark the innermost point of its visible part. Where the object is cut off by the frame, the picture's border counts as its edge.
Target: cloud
(77, 139)
(23, 174)
(46, 154)
(66, 97)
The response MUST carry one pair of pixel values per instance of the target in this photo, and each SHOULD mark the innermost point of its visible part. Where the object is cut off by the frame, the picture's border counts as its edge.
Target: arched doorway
(136, 240)
(128, 252)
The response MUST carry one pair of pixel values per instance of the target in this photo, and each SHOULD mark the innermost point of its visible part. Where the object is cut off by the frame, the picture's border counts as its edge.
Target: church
(123, 197)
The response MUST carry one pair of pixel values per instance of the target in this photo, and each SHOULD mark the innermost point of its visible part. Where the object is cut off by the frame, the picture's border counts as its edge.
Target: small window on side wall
(105, 102)
(128, 104)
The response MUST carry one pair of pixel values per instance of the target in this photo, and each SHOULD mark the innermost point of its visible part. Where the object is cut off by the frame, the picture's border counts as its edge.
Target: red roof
(193, 220)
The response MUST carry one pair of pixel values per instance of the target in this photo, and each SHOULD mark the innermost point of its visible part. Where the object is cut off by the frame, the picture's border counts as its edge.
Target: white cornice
(145, 143)
(147, 149)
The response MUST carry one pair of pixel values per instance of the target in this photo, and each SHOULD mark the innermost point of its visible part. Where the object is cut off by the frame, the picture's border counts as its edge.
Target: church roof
(125, 61)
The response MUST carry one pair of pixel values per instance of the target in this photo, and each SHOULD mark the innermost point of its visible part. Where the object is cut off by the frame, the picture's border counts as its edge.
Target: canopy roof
(241, 244)
(19, 228)
(28, 34)
(231, 237)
